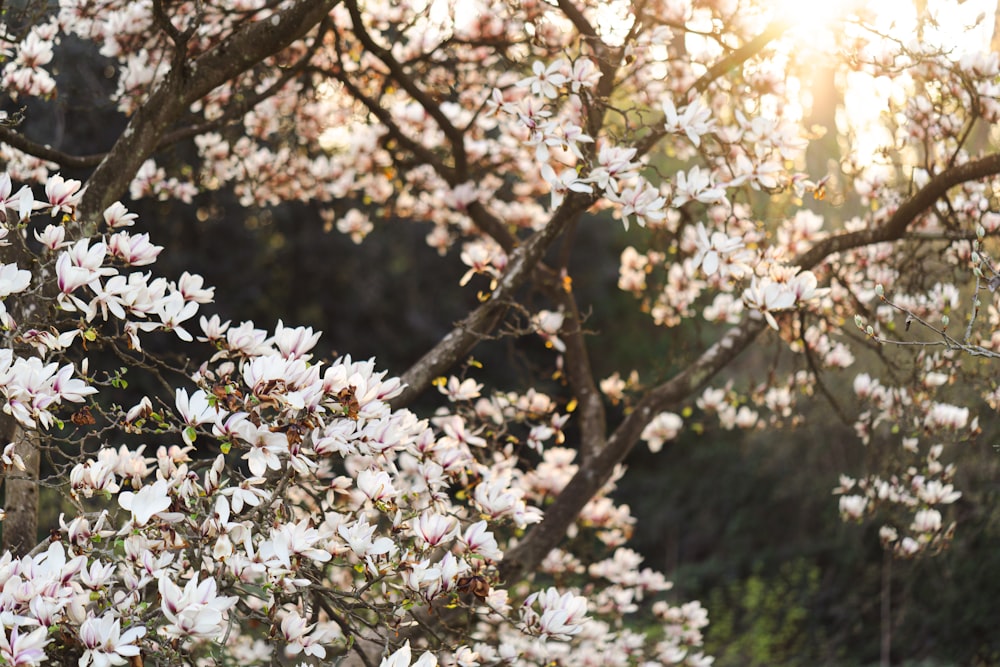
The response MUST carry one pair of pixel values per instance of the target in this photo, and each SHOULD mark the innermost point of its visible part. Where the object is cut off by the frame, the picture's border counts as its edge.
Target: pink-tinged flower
(173, 310)
(150, 500)
(140, 410)
(479, 540)
(246, 494)
(356, 225)
(23, 649)
(434, 529)
(294, 343)
(213, 327)
(376, 485)
(643, 201)
(926, 521)
(10, 458)
(52, 237)
(360, 538)
(70, 277)
(663, 427)
(295, 631)
(944, 415)
(585, 74)
(246, 339)
(460, 390)
(63, 194)
(293, 540)
(496, 498)
(191, 287)
(65, 387)
(561, 617)
(613, 163)
(712, 250)
(483, 257)
(195, 611)
(266, 447)
(935, 492)
(401, 658)
(117, 216)
(134, 250)
(93, 476)
(105, 643)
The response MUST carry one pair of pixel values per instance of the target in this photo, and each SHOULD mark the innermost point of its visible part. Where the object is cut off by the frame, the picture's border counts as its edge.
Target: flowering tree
(260, 500)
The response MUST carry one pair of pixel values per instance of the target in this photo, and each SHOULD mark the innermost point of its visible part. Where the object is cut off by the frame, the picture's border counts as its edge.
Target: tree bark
(20, 526)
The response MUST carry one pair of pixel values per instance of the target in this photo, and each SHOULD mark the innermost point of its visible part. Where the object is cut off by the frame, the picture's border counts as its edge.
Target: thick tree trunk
(20, 526)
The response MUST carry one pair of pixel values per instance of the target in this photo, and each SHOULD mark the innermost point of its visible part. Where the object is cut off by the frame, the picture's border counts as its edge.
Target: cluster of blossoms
(911, 497)
(274, 491)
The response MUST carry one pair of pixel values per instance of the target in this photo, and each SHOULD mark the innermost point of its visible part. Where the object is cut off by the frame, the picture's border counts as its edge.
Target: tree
(317, 505)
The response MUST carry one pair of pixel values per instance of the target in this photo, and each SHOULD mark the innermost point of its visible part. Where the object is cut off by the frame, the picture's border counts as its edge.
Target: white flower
(853, 507)
(714, 250)
(692, 120)
(63, 194)
(150, 500)
(545, 81)
(548, 323)
(664, 426)
(696, 185)
(568, 180)
(926, 521)
(401, 658)
(768, 297)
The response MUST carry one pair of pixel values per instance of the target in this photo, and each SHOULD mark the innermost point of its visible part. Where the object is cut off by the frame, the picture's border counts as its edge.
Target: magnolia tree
(262, 504)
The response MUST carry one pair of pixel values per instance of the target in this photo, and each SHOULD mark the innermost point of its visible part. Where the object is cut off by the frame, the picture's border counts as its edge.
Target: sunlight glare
(811, 14)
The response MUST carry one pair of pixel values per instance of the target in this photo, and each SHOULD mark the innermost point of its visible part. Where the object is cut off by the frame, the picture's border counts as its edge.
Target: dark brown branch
(591, 477)
(406, 82)
(42, 152)
(169, 99)
(590, 414)
(246, 98)
(908, 211)
(467, 333)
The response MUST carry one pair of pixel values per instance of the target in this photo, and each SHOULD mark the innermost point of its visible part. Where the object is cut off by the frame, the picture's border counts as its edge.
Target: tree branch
(720, 67)
(590, 478)
(180, 88)
(467, 333)
(43, 152)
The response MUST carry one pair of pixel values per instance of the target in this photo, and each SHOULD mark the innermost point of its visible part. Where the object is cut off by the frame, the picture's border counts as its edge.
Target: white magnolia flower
(663, 427)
